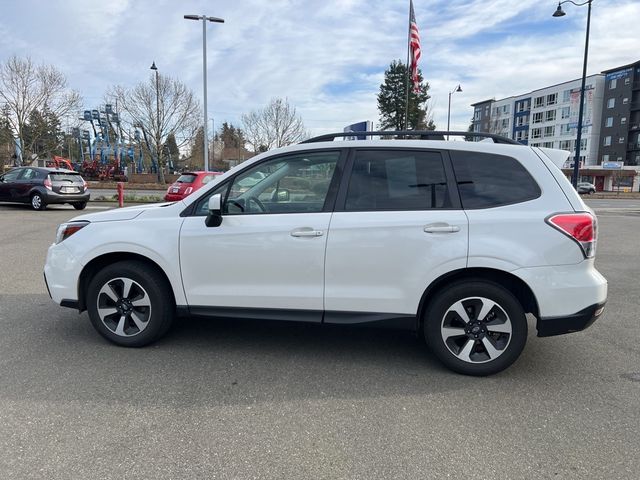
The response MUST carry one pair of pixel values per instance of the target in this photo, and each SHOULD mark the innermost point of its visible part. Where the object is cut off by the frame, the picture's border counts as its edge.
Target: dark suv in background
(41, 186)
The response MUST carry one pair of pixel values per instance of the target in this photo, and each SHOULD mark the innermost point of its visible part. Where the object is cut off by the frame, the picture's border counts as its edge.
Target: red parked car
(188, 183)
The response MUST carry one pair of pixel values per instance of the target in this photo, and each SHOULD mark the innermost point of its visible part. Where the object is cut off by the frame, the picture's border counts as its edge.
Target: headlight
(65, 230)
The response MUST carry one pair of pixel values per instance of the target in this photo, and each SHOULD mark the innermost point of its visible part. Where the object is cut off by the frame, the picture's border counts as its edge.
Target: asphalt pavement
(246, 399)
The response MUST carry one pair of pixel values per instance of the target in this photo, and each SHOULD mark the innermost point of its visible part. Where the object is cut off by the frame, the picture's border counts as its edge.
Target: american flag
(414, 45)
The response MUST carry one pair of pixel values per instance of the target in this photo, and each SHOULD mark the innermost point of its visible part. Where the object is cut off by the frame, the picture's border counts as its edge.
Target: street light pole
(457, 89)
(560, 13)
(204, 19)
(158, 132)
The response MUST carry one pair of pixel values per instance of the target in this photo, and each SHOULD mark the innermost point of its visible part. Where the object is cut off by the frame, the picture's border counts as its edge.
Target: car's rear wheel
(475, 327)
(79, 205)
(130, 303)
(37, 202)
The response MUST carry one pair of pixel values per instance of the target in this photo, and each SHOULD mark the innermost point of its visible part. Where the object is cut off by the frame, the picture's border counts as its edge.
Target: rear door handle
(306, 232)
(441, 228)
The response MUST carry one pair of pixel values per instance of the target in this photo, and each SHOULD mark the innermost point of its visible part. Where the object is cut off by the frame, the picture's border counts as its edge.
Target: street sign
(612, 165)
(365, 126)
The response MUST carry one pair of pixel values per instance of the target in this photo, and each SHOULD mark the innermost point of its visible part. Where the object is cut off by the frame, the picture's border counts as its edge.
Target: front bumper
(61, 272)
(53, 197)
(550, 326)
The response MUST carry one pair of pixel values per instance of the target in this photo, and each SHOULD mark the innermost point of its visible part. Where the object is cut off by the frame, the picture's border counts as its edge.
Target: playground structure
(110, 154)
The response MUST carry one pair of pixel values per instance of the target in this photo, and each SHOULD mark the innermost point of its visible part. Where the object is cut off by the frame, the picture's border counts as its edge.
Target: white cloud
(327, 57)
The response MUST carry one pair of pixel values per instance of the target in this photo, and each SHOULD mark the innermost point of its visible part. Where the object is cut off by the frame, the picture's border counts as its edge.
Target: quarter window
(486, 180)
(397, 180)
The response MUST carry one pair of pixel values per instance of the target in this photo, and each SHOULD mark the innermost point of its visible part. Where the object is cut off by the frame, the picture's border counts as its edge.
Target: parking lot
(247, 399)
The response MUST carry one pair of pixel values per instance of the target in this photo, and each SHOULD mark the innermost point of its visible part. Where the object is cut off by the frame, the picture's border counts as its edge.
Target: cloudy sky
(326, 56)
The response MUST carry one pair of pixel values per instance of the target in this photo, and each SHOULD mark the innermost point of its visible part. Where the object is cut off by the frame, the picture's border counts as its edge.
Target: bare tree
(26, 88)
(177, 112)
(274, 126)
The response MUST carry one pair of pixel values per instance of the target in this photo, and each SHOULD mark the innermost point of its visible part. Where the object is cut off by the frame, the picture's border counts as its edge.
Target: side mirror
(283, 195)
(214, 219)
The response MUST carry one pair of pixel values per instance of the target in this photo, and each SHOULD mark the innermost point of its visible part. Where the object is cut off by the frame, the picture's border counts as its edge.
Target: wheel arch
(509, 281)
(101, 261)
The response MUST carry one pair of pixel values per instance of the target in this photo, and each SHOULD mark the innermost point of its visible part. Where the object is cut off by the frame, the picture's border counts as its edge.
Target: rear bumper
(52, 197)
(550, 326)
(174, 197)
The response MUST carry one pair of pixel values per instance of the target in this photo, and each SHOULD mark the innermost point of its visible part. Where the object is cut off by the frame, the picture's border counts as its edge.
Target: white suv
(455, 240)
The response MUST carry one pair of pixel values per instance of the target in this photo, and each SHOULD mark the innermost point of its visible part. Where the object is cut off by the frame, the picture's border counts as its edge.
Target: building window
(547, 144)
(538, 102)
(565, 129)
(621, 140)
(625, 101)
(609, 122)
(607, 141)
(552, 99)
(627, 81)
(537, 117)
(566, 96)
(550, 116)
(506, 108)
(565, 145)
(613, 83)
(566, 112)
(583, 144)
(623, 120)
(611, 103)
(549, 131)
(605, 158)
(536, 133)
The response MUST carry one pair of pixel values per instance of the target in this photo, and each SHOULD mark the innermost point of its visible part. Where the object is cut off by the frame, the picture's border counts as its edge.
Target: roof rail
(421, 134)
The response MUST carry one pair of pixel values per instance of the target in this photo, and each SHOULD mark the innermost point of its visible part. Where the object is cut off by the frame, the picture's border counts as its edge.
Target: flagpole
(406, 100)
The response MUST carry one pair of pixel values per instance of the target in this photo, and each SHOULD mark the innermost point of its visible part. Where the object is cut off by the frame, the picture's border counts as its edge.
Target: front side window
(487, 180)
(292, 184)
(397, 180)
(11, 176)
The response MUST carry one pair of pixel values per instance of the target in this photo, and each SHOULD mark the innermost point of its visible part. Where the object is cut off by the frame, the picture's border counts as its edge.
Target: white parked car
(456, 240)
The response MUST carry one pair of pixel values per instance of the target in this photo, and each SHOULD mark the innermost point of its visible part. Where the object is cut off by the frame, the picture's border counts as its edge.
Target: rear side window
(397, 180)
(487, 180)
(65, 177)
(186, 178)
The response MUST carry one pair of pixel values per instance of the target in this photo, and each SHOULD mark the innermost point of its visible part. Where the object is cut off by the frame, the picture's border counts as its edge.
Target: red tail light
(580, 227)
(47, 183)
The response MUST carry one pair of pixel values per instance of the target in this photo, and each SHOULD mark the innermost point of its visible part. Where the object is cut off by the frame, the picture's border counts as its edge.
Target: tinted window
(397, 180)
(486, 180)
(187, 178)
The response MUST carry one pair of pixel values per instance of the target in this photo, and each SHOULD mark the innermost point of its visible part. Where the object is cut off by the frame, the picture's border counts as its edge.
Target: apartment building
(548, 117)
(620, 121)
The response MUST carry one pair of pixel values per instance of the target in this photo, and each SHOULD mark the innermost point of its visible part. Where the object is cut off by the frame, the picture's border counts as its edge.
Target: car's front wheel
(130, 303)
(475, 327)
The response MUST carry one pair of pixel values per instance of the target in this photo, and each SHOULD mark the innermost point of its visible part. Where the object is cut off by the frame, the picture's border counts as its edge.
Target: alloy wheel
(36, 202)
(476, 330)
(124, 307)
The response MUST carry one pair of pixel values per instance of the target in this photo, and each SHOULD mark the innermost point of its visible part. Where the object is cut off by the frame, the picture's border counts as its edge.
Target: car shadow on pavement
(54, 353)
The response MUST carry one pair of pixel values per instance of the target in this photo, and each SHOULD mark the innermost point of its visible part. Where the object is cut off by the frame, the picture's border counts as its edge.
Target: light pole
(560, 13)
(457, 89)
(158, 133)
(204, 19)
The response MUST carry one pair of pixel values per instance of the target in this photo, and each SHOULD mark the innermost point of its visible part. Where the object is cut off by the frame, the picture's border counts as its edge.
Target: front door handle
(441, 228)
(306, 232)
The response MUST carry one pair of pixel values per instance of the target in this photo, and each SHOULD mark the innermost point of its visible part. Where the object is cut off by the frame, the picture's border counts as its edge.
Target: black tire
(151, 284)
(38, 202)
(472, 334)
(79, 205)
